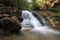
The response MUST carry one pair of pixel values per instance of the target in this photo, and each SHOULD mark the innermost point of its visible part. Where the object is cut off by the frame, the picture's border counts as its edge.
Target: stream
(31, 22)
(34, 28)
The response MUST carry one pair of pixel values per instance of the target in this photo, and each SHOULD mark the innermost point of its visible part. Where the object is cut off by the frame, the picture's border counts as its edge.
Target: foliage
(55, 9)
(34, 5)
(58, 14)
(21, 4)
(42, 4)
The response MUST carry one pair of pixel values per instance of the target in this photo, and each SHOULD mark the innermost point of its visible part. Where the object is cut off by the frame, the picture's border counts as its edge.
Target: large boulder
(10, 22)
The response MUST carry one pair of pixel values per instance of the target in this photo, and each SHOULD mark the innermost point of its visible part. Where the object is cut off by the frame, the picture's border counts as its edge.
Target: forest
(46, 8)
(32, 19)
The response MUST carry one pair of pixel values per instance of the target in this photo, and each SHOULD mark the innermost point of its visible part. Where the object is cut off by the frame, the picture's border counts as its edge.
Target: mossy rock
(9, 21)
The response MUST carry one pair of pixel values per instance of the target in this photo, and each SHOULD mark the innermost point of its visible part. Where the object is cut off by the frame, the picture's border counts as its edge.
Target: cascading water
(30, 19)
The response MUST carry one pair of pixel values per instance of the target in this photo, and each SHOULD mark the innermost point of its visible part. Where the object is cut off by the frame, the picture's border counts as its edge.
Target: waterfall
(26, 15)
(43, 20)
(30, 19)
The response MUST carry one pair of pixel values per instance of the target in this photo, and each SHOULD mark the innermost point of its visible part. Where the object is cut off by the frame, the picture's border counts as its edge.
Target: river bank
(50, 17)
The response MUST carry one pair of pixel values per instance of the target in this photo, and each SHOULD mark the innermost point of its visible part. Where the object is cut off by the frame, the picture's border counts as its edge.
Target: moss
(11, 23)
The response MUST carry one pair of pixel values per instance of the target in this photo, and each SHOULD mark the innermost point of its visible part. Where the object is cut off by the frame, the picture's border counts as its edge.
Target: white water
(29, 20)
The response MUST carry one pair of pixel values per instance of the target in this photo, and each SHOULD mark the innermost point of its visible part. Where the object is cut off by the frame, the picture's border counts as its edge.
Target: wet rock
(9, 22)
(52, 19)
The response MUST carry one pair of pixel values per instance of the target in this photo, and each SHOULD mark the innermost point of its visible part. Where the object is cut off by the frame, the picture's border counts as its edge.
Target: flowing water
(32, 29)
(29, 18)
